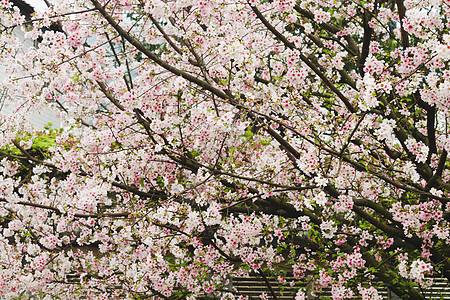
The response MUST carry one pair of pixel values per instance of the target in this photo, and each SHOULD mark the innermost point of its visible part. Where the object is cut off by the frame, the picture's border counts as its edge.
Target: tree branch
(139, 46)
(290, 45)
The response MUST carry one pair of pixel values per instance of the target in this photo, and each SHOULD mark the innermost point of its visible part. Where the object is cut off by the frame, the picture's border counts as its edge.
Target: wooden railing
(254, 286)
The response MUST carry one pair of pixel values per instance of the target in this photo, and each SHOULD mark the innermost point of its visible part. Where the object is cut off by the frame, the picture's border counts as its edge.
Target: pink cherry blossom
(206, 140)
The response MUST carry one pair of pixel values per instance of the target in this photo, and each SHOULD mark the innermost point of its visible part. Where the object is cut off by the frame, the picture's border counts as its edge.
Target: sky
(37, 4)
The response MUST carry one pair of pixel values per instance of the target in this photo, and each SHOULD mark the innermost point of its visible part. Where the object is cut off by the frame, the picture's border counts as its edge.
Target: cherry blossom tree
(210, 139)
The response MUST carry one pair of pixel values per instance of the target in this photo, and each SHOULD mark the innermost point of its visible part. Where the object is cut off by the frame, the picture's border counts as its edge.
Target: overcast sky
(37, 4)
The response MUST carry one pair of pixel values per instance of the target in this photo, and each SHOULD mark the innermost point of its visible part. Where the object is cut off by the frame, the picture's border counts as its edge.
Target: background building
(7, 107)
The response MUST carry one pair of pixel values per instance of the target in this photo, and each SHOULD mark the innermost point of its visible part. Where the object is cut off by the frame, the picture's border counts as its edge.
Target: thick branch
(401, 13)
(59, 212)
(139, 46)
(368, 31)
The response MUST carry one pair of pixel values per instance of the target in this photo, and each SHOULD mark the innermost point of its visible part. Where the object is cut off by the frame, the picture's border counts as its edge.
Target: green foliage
(41, 141)
(36, 144)
(22, 295)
